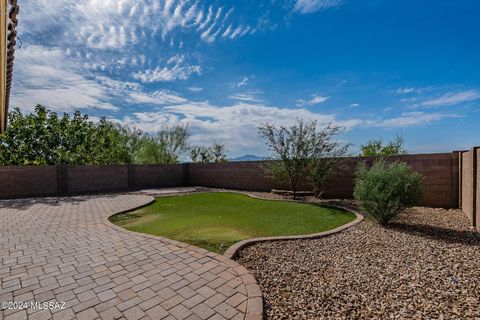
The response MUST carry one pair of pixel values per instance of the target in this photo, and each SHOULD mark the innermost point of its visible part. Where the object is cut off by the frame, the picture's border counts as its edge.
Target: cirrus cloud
(450, 99)
(311, 6)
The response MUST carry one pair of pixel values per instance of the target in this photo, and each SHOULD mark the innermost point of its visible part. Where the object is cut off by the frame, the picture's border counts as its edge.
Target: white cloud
(316, 99)
(310, 6)
(354, 105)
(175, 69)
(160, 97)
(243, 82)
(195, 89)
(240, 31)
(49, 77)
(410, 119)
(237, 123)
(450, 99)
(246, 97)
(406, 90)
(114, 24)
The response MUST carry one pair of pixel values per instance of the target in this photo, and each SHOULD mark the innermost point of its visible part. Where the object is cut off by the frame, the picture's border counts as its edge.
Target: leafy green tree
(166, 147)
(208, 154)
(376, 147)
(132, 141)
(44, 138)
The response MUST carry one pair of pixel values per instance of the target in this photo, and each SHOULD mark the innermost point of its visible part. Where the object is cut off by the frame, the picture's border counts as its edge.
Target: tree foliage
(302, 150)
(376, 147)
(207, 154)
(166, 147)
(132, 140)
(328, 158)
(44, 138)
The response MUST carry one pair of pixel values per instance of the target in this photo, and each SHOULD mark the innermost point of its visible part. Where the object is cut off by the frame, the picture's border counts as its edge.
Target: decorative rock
(426, 265)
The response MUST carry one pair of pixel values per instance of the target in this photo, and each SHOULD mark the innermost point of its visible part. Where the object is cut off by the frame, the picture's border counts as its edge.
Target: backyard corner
(424, 266)
(239, 160)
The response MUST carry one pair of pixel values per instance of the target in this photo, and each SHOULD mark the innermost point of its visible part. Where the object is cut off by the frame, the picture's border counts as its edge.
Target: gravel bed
(425, 266)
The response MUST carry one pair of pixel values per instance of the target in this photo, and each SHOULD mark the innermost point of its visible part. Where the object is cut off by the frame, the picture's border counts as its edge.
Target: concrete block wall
(247, 175)
(451, 180)
(157, 176)
(469, 192)
(97, 178)
(477, 188)
(17, 181)
(440, 172)
(34, 181)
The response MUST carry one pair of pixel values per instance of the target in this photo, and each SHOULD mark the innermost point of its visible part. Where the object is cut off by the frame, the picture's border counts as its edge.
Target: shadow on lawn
(438, 233)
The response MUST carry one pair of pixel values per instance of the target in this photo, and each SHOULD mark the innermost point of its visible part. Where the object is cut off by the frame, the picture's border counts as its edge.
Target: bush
(386, 189)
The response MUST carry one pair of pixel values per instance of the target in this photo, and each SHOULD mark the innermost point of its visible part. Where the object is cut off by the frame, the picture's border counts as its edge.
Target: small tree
(299, 148)
(327, 158)
(166, 147)
(293, 147)
(375, 147)
(132, 141)
(386, 189)
(207, 154)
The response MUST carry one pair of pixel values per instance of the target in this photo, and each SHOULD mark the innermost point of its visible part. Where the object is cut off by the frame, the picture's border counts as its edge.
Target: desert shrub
(386, 189)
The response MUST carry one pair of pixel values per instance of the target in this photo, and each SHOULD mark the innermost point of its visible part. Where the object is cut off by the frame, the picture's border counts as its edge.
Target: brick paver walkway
(65, 250)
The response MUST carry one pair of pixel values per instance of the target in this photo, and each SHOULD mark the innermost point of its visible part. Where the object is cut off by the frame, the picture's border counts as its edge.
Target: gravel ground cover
(425, 266)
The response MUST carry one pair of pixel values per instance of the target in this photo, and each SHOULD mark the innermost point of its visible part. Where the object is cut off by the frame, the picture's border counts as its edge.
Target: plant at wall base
(208, 154)
(376, 147)
(293, 147)
(386, 189)
(301, 150)
(327, 159)
(166, 147)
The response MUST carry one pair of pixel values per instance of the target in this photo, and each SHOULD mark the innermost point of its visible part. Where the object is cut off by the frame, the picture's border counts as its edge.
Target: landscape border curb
(233, 251)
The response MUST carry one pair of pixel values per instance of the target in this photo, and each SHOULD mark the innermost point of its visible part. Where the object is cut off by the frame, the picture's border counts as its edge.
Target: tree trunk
(294, 189)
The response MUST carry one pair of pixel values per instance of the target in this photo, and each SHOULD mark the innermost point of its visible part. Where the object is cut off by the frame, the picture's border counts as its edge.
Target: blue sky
(378, 68)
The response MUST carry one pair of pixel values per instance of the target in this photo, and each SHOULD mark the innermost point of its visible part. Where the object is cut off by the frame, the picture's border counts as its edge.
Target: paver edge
(254, 303)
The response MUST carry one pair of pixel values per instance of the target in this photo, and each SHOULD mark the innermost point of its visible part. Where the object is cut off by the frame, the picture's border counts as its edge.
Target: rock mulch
(425, 266)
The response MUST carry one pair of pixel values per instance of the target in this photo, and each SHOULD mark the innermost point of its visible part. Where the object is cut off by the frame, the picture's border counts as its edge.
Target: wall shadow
(466, 237)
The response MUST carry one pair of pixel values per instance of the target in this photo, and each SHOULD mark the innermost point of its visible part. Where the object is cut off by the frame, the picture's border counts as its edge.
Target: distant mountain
(248, 157)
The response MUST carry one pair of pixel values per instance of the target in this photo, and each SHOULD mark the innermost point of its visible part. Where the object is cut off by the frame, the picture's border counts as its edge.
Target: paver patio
(65, 250)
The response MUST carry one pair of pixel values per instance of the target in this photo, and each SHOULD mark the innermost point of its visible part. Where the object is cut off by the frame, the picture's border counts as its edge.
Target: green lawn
(217, 220)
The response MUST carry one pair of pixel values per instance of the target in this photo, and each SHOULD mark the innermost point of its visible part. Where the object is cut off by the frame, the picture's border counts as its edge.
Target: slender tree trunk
(294, 188)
